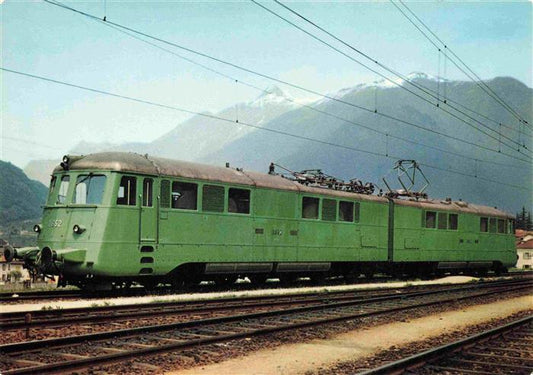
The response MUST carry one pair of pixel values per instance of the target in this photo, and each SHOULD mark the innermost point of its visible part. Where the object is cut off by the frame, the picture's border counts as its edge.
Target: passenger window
(63, 190)
(165, 194)
(89, 189)
(309, 208)
(442, 220)
(346, 211)
(357, 212)
(213, 198)
(431, 218)
(511, 226)
(127, 191)
(148, 185)
(329, 209)
(239, 201)
(452, 221)
(501, 226)
(492, 225)
(184, 195)
(483, 224)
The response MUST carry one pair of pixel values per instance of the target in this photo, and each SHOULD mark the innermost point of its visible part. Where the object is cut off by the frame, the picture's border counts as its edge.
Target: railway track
(52, 295)
(96, 315)
(92, 350)
(502, 350)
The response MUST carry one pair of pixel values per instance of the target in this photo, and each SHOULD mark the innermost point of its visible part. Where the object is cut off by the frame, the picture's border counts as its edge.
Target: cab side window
(148, 185)
(127, 191)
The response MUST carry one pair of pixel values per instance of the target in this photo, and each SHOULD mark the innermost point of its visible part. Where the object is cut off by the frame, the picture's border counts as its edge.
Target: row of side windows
(440, 220)
(494, 225)
(347, 211)
(184, 196)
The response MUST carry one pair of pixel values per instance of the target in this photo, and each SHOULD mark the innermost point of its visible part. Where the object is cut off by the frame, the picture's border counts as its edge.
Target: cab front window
(89, 189)
(63, 190)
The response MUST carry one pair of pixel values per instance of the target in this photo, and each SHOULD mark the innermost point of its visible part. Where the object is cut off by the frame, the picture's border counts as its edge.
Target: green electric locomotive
(116, 218)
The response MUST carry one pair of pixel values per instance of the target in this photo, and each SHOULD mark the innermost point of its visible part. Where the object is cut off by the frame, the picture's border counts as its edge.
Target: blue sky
(494, 38)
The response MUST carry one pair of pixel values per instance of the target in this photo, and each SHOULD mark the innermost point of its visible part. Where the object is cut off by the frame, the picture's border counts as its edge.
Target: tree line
(523, 220)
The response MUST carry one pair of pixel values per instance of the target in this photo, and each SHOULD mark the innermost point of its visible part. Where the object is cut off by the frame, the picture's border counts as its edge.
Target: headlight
(37, 228)
(64, 163)
(78, 229)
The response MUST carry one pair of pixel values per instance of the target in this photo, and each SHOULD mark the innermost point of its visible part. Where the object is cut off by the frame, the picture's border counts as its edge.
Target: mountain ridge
(20, 197)
(214, 142)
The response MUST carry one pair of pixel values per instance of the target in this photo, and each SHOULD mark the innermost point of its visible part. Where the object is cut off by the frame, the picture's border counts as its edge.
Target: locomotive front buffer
(45, 261)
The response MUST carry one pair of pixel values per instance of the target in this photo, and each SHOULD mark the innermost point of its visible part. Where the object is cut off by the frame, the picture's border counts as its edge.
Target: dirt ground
(303, 357)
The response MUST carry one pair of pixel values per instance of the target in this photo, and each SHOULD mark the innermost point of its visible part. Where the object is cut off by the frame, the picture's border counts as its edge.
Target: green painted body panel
(412, 242)
(273, 231)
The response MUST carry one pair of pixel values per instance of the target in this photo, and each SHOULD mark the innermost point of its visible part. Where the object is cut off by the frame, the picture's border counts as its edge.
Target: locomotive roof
(145, 164)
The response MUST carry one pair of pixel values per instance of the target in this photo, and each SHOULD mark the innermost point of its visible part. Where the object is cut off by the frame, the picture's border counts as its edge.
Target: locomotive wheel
(176, 284)
(149, 284)
(288, 279)
(191, 282)
(317, 279)
(482, 272)
(226, 280)
(258, 279)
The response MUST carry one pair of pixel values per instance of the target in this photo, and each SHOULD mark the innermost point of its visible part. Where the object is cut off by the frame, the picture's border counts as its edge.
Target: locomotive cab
(71, 224)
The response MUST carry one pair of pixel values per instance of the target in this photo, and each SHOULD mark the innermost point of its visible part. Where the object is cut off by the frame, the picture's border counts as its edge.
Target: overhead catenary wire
(486, 88)
(251, 71)
(26, 141)
(310, 107)
(434, 94)
(478, 81)
(428, 92)
(275, 131)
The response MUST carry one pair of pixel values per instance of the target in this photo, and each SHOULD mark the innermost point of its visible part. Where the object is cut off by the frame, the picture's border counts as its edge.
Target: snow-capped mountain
(216, 142)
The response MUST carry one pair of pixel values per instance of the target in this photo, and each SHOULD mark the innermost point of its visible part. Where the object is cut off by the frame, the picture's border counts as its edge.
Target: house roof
(525, 245)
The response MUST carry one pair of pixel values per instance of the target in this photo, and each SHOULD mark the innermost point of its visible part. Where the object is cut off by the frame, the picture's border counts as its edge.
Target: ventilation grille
(165, 194)
(213, 198)
(329, 210)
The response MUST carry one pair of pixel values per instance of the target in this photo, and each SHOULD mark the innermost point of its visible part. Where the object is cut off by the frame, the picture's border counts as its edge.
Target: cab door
(148, 232)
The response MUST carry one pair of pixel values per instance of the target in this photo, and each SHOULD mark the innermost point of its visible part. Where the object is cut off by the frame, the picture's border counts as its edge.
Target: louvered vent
(165, 193)
(329, 210)
(213, 198)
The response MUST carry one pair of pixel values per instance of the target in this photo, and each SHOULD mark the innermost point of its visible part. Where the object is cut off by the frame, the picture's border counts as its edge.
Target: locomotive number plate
(56, 223)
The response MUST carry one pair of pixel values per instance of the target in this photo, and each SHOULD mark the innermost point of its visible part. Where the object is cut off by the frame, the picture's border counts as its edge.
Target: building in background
(524, 249)
(10, 272)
